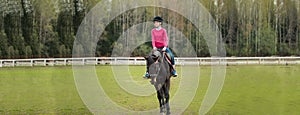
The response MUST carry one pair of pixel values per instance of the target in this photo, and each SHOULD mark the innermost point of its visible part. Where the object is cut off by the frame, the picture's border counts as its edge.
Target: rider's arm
(166, 39)
(153, 40)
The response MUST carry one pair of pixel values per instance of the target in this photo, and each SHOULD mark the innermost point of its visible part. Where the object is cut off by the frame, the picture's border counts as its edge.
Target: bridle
(157, 68)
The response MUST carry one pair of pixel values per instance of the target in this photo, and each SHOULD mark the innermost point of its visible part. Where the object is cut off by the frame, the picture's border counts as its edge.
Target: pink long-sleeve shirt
(159, 38)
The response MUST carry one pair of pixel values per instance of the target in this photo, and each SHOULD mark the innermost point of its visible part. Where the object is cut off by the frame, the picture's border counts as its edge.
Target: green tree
(3, 45)
(65, 26)
(12, 27)
(292, 23)
(79, 13)
(10, 52)
(266, 45)
(28, 52)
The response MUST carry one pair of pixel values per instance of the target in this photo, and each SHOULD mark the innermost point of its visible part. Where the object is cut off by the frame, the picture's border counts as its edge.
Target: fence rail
(141, 61)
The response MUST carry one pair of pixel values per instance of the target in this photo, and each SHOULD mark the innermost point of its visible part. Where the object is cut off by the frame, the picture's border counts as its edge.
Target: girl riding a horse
(160, 41)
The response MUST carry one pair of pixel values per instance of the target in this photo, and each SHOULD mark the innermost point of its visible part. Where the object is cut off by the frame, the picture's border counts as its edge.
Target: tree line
(47, 28)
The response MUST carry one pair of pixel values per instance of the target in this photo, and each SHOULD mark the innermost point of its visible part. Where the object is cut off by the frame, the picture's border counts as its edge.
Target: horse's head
(153, 64)
(153, 57)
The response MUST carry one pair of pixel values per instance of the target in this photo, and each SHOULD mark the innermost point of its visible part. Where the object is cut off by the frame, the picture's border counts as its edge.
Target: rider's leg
(172, 62)
(147, 75)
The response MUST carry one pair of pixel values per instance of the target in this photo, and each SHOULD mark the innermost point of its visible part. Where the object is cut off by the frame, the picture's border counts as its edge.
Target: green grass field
(248, 90)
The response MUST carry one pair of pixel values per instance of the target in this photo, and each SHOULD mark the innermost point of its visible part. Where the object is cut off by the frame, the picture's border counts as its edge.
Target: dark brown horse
(160, 73)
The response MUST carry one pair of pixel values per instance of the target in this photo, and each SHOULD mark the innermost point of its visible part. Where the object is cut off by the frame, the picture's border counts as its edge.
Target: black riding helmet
(157, 18)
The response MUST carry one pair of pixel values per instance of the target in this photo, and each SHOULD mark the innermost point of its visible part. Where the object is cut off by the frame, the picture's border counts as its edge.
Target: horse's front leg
(167, 105)
(160, 99)
(167, 96)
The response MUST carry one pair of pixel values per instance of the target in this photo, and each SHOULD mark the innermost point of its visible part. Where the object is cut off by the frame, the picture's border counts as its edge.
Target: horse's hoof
(162, 113)
(162, 110)
(168, 113)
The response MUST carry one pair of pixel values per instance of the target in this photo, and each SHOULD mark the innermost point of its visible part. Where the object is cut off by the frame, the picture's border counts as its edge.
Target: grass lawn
(248, 90)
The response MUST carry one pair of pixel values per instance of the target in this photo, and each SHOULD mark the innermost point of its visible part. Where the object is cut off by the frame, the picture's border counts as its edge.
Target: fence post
(96, 61)
(65, 62)
(31, 62)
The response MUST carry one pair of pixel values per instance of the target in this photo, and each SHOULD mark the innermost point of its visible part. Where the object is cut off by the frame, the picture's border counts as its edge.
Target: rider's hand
(164, 49)
(154, 48)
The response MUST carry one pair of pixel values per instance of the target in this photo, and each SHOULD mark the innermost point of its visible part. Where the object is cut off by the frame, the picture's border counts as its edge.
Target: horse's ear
(146, 57)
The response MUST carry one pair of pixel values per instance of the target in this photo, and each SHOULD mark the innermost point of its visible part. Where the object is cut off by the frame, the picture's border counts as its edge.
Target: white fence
(141, 61)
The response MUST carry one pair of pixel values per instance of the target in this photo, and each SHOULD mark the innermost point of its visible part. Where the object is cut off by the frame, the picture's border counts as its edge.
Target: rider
(160, 41)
